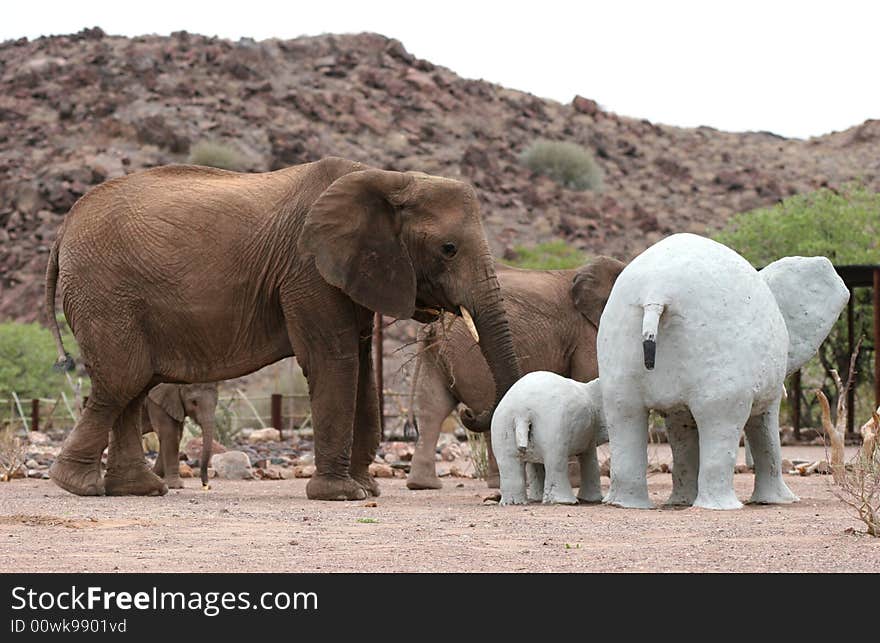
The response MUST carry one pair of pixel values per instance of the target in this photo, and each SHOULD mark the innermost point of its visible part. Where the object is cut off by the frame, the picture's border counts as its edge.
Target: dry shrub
(857, 482)
(479, 454)
(569, 164)
(219, 155)
(13, 452)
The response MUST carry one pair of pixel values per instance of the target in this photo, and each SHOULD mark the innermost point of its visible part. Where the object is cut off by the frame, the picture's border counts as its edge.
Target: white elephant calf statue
(693, 331)
(542, 420)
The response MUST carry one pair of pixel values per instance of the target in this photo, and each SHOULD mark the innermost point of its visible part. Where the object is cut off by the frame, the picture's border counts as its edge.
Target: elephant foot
(493, 481)
(324, 487)
(82, 479)
(628, 500)
(726, 501)
(590, 498)
(419, 482)
(368, 483)
(679, 500)
(777, 493)
(136, 480)
(174, 482)
(513, 499)
(560, 500)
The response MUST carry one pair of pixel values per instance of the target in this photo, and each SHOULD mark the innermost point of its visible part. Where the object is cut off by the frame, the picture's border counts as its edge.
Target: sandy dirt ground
(264, 526)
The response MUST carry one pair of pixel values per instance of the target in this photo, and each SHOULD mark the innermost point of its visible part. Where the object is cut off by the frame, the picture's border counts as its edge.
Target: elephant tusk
(431, 311)
(469, 322)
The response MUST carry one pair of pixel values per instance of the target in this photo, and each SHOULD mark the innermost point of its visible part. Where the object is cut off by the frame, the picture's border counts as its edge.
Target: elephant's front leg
(681, 430)
(168, 462)
(557, 487)
(367, 422)
(762, 432)
(535, 478)
(590, 490)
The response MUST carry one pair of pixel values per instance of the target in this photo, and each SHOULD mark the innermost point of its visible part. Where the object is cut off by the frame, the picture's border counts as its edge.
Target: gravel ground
(269, 526)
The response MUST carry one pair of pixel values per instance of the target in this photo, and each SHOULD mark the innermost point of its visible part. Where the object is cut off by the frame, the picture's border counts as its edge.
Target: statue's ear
(811, 295)
(168, 397)
(592, 284)
(353, 230)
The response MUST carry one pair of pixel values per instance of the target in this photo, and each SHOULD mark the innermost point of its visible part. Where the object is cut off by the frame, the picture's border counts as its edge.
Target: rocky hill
(76, 110)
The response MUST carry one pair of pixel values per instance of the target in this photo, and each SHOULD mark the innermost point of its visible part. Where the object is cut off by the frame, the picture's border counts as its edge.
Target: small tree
(842, 225)
(567, 163)
(27, 354)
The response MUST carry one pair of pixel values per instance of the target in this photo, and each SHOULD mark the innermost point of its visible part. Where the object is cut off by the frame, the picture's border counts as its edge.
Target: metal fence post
(276, 412)
(35, 415)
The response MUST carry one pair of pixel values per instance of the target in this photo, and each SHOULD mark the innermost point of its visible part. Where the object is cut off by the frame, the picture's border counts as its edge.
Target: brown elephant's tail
(65, 361)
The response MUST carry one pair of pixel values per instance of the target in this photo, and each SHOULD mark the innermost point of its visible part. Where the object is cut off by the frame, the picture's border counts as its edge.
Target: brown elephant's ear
(168, 397)
(353, 230)
(592, 284)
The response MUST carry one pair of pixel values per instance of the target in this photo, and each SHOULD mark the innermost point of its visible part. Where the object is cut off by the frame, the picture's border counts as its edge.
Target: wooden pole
(276, 400)
(379, 369)
(876, 298)
(851, 393)
(796, 409)
(35, 415)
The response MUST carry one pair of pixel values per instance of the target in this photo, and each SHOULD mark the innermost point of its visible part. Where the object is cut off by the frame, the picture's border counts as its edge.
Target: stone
(259, 436)
(193, 448)
(305, 458)
(585, 105)
(451, 451)
(381, 471)
(185, 470)
(303, 470)
(233, 465)
(32, 464)
(37, 438)
(786, 465)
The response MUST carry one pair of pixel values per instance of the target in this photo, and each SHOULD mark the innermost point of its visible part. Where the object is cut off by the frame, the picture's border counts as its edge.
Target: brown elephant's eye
(449, 249)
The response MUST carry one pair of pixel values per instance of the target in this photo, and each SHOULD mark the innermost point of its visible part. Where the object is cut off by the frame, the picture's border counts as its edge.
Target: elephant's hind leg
(78, 468)
(719, 426)
(127, 471)
(681, 429)
(762, 432)
(628, 433)
(434, 403)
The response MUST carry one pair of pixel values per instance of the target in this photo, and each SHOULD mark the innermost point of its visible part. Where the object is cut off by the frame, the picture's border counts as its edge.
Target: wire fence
(285, 412)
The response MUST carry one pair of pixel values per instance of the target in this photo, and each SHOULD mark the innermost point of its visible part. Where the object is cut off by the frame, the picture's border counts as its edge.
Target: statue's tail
(521, 428)
(650, 321)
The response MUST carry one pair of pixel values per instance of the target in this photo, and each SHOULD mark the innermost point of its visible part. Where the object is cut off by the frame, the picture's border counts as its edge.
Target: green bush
(217, 154)
(27, 355)
(550, 255)
(566, 163)
(845, 227)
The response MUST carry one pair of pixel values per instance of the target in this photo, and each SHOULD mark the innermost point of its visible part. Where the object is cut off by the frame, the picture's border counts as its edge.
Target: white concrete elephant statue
(542, 420)
(693, 331)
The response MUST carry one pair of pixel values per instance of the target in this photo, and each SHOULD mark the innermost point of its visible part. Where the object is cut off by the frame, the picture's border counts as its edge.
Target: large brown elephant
(192, 274)
(554, 317)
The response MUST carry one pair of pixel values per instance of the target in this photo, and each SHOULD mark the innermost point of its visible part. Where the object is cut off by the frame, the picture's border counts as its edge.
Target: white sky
(797, 68)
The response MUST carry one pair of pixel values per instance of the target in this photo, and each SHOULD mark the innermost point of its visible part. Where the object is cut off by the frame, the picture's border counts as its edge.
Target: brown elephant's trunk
(496, 344)
(207, 425)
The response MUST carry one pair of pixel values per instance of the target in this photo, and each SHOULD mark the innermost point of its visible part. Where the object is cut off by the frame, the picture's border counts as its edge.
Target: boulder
(233, 465)
(259, 436)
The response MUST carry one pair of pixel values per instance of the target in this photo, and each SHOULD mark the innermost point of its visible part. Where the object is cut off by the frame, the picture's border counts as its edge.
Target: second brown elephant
(554, 317)
(164, 410)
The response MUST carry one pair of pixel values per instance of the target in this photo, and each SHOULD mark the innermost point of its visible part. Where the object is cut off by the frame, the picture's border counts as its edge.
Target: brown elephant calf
(164, 410)
(553, 316)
